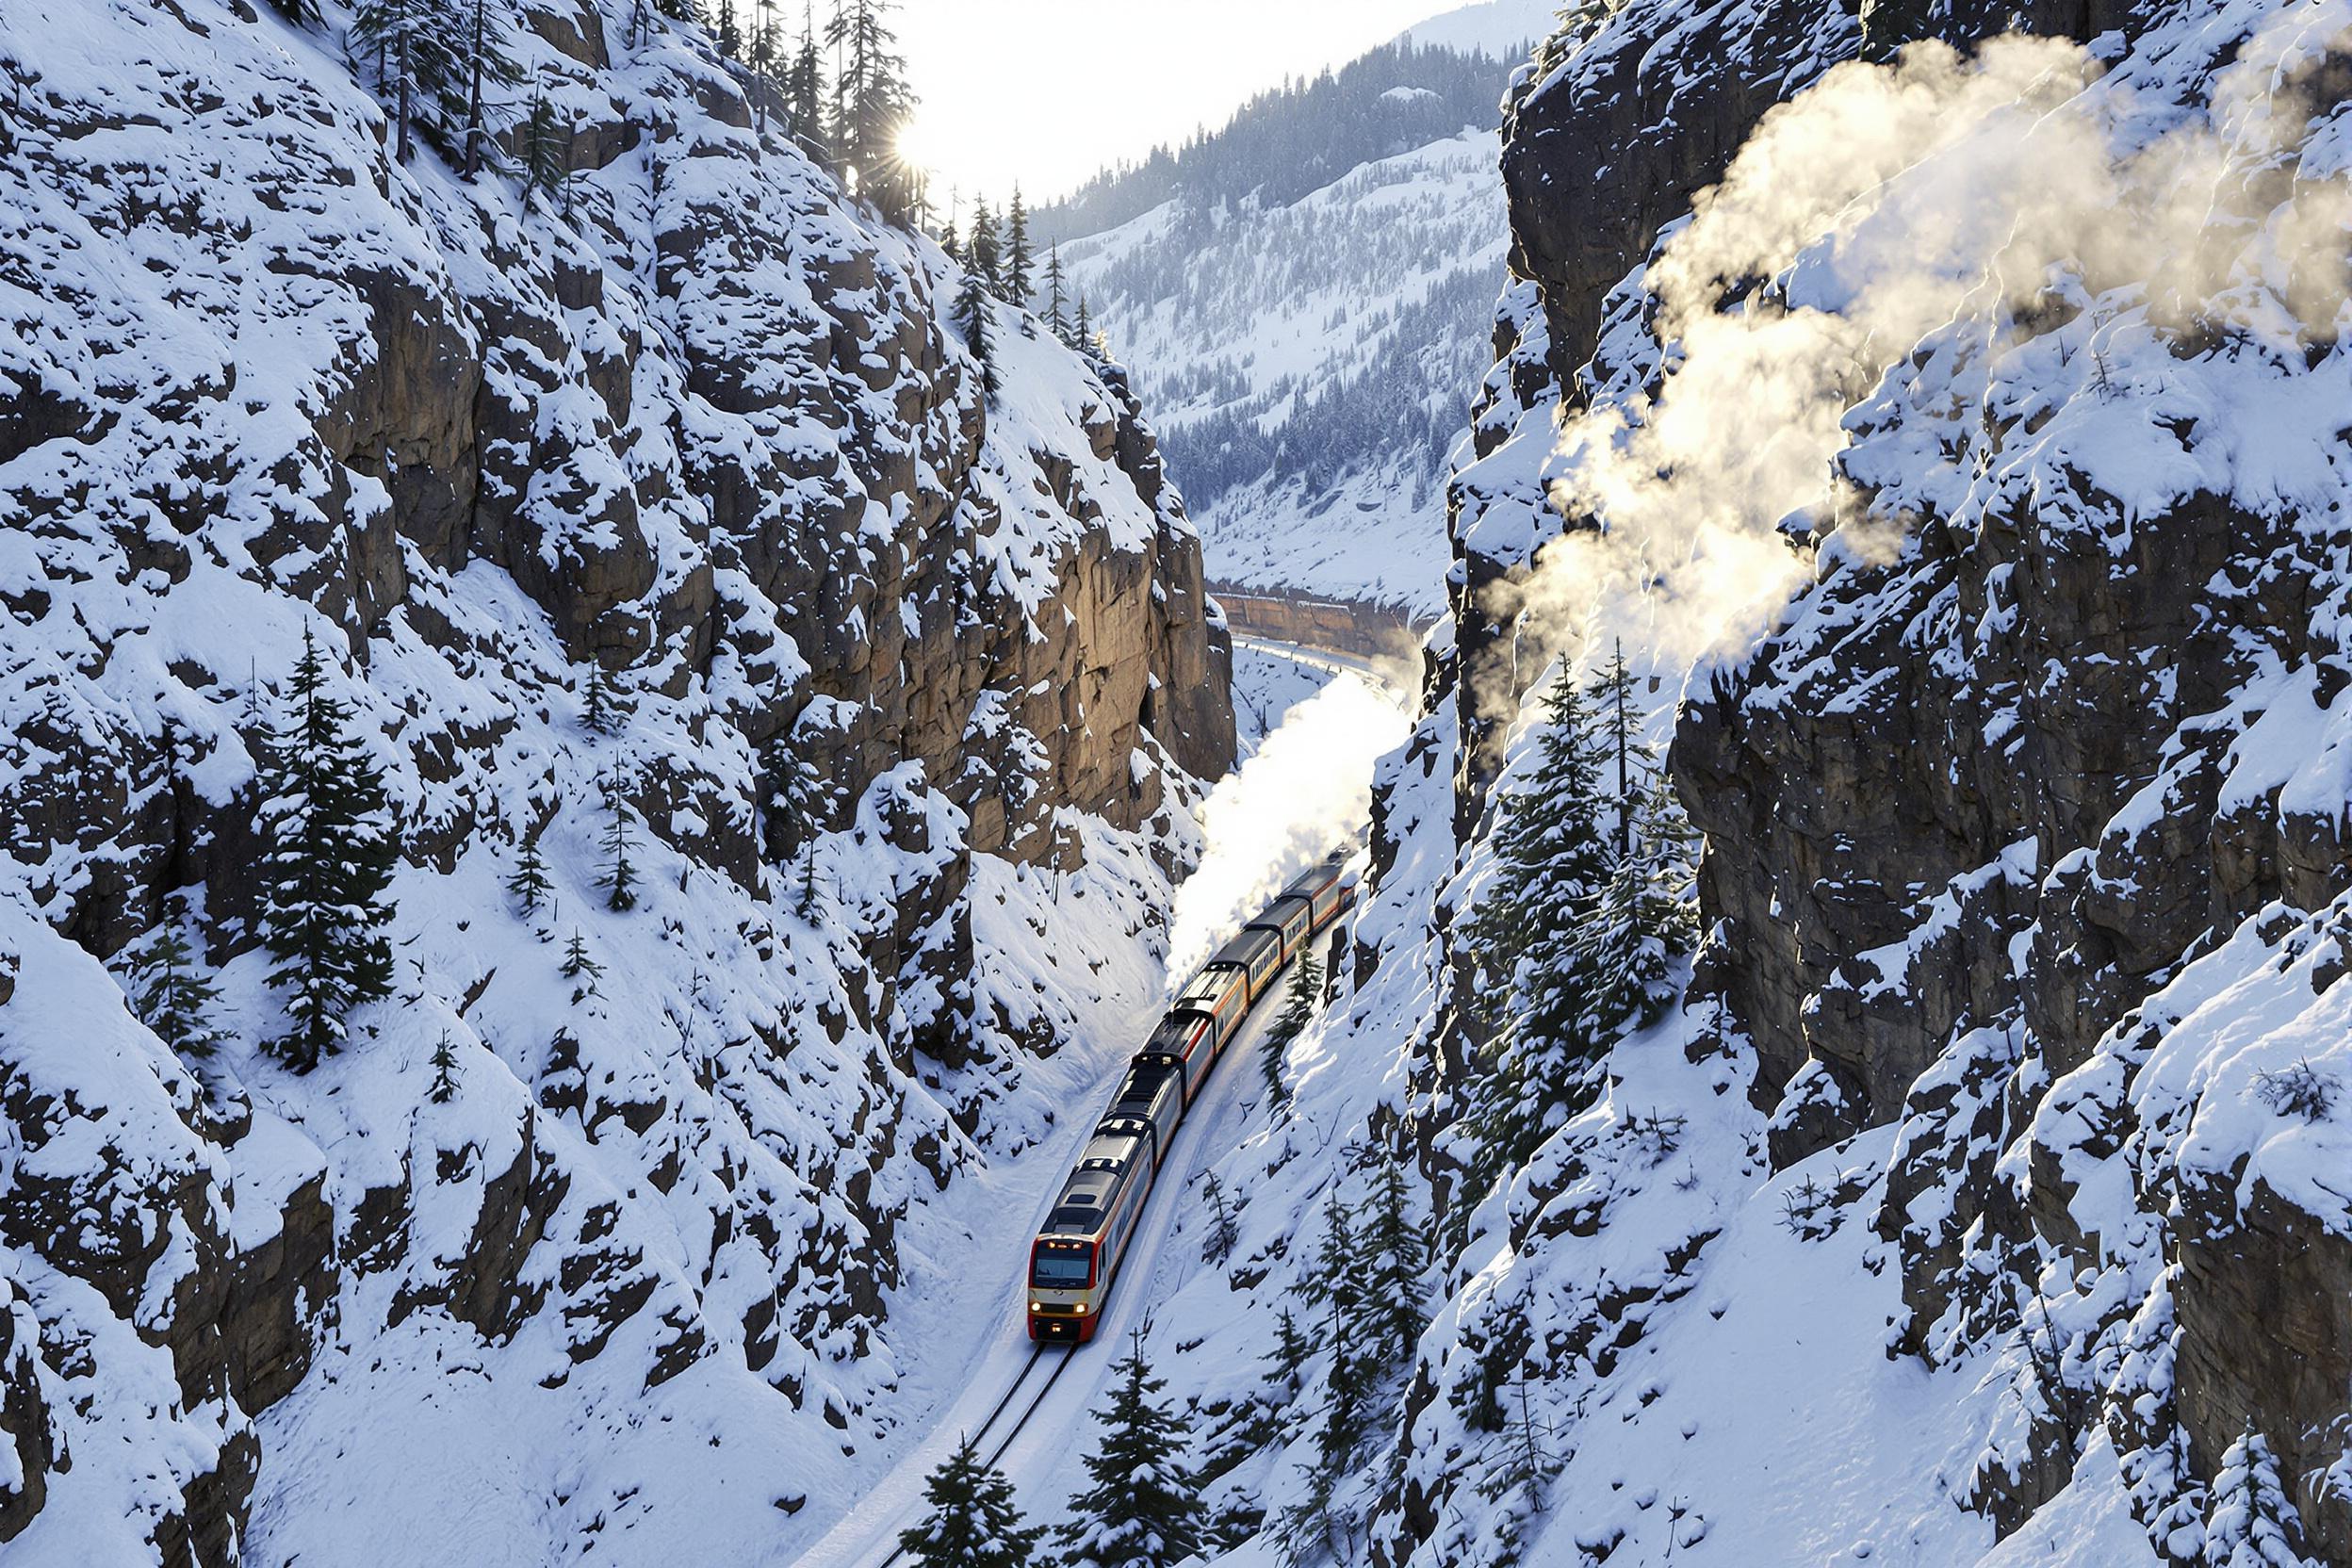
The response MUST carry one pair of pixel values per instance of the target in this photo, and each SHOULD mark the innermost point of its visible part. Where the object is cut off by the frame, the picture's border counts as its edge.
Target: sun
(918, 145)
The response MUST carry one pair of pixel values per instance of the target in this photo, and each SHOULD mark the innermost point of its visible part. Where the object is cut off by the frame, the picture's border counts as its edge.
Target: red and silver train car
(1076, 1256)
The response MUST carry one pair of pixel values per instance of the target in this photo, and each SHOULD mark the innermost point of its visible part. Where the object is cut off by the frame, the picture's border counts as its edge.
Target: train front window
(1062, 1268)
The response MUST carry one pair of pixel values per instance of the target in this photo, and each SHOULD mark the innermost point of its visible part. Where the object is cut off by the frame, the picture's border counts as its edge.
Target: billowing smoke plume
(1307, 791)
(1938, 194)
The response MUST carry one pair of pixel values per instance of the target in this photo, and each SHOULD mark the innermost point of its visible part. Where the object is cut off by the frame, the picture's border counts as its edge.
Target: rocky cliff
(681, 436)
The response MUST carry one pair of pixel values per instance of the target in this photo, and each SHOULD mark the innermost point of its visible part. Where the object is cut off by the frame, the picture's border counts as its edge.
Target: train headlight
(1036, 1306)
(1080, 1308)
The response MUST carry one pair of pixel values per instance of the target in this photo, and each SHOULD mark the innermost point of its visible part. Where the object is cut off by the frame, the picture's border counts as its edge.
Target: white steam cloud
(1887, 203)
(1307, 791)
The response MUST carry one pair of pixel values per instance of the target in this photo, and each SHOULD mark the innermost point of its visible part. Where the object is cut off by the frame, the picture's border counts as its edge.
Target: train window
(1066, 1266)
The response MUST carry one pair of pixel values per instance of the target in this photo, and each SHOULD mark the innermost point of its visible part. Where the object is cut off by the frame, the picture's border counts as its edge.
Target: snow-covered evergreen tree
(1553, 863)
(1287, 1362)
(1224, 1228)
(619, 879)
(329, 850)
(580, 968)
(1018, 262)
(1144, 1508)
(409, 51)
(605, 707)
(488, 61)
(1644, 919)
(171, 993)
(972, 316)
(972, 1522)
(804, 84)
(443, 1088)
(1393, 1257)
(543, 148)
(528, 884)
(2252, 1521)
(1301, 999)
(1057, 294)
(985, 254)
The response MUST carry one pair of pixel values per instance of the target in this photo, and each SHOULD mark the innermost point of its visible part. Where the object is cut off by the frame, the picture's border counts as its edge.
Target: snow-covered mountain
(1307, 351)
(620, 508)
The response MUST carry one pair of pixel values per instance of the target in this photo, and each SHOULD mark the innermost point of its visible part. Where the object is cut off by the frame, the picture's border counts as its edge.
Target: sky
(1047, 91)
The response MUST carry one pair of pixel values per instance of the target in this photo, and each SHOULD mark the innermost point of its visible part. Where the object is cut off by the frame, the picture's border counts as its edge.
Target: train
(1075, 1258)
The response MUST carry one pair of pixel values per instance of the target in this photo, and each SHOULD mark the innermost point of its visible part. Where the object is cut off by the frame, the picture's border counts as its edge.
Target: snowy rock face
(1984, 1203)
(684, 440)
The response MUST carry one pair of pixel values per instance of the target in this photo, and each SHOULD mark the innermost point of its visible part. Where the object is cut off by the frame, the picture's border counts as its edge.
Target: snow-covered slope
(1308, 362)
(555, 1260)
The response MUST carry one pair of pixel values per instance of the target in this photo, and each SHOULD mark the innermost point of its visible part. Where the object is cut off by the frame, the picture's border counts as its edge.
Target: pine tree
(1018, 261)
(972, 1522)
(1224, 1230)
(1617, 714)
(871, 103)
(1082, 331)
(804, 86)
(951, 242)
(527, 883)
(806, 903)
(545, 150)
(410, 51)
(1301, 1001)
(1287, 1364)
(1336, 1283)
(1056, 285)
(2251, 1517)
(329, 850)
(972, 315)
(620, 873)
(171, 993)
(606, 710)
(1643, 921)
(579, 968)
(443, 1072)
(489, 60)
(729, 31)
(1553, 864)
(985, 258)
(1144, 1508)
(1394, 1256)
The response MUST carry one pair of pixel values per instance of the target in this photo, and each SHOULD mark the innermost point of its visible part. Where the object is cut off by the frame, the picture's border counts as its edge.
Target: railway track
(1062, 1356)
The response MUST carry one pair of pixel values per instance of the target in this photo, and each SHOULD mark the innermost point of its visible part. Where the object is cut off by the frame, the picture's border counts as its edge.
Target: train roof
(1318, 879)
(1086, 1196)
(1246, 946)
(1180, 1026)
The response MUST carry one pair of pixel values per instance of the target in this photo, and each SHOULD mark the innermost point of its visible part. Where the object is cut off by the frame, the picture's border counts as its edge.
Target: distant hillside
(1307, 296)
(1299, 137)
(1505, 30)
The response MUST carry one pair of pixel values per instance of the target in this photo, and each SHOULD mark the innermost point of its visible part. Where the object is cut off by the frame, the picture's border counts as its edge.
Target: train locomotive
(1075, 1258)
